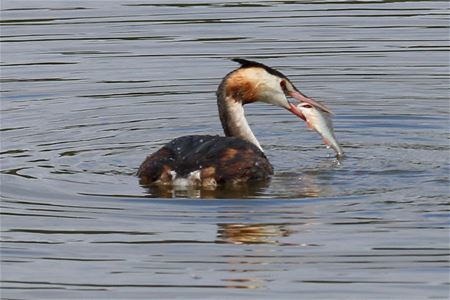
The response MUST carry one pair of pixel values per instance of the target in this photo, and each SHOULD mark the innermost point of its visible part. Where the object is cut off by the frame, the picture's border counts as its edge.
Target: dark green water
(89, 88)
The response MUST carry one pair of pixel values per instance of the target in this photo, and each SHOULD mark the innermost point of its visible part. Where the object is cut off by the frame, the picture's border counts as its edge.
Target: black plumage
(254, 64)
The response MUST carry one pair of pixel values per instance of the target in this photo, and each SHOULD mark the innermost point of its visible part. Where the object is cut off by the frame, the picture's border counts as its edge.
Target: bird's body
(206, 160)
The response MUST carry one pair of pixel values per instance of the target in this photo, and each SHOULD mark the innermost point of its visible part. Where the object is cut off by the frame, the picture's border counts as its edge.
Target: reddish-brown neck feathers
(241, 86)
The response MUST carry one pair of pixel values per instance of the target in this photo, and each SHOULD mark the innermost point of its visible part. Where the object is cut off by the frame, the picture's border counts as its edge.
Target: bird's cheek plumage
(274, 97)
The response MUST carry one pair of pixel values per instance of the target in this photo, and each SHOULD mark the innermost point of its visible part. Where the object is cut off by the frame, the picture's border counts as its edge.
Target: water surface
(89, 88)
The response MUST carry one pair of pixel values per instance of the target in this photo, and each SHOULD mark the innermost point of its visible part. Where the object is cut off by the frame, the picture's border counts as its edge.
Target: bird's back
(206, 160)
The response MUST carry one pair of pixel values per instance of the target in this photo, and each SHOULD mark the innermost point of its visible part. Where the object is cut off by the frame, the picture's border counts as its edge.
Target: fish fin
(326, 142)
(310, 126)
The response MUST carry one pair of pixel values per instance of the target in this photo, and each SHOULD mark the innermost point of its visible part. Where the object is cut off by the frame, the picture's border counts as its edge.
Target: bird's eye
(283, 85)
(307, 106)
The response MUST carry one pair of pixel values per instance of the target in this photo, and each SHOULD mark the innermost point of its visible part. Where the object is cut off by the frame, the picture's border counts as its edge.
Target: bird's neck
(232, 117)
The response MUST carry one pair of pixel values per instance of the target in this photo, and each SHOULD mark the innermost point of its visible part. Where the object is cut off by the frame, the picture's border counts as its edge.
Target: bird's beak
(293, 109)
(302, 98)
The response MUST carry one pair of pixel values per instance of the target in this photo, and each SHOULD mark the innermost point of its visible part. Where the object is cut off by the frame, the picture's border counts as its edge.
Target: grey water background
(89, 88)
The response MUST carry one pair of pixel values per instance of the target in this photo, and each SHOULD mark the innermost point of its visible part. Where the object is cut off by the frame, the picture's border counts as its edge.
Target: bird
(236, 158)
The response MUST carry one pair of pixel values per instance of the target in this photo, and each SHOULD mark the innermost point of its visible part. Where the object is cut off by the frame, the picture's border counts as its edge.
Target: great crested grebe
(237, 157)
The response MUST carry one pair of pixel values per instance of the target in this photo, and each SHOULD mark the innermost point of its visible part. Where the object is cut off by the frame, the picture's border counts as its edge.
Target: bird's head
(254, 82)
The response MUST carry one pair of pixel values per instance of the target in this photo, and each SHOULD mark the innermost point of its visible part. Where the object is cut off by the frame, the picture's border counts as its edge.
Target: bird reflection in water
(243, 270)
(238, 233)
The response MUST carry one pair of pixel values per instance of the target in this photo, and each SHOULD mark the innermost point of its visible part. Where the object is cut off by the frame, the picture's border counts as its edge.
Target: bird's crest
(253, 64)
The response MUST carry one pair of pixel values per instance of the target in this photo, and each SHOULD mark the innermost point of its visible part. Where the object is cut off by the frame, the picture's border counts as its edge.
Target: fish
(320, 121)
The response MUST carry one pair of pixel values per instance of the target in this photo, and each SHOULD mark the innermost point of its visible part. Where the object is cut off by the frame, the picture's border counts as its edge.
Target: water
(89, 88)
